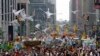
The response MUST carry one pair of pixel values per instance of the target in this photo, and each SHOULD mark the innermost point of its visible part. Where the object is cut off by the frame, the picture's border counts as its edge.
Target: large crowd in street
(50, 46)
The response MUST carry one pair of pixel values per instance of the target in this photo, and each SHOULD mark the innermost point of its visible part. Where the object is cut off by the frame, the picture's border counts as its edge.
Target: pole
(27, 23)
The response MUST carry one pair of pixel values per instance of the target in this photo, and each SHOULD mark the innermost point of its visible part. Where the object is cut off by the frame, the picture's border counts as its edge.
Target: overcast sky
(62, 7)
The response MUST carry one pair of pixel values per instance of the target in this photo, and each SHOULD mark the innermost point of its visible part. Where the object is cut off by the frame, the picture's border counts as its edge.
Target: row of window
(6, 9)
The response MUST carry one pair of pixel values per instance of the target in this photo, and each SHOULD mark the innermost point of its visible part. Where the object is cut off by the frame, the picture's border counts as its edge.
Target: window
(5, 10)
(2, 8)
(18, 6)
(8, 9)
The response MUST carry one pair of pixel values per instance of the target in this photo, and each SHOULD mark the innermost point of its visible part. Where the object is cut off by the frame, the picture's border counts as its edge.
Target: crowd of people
(50, 46)
(52, 52)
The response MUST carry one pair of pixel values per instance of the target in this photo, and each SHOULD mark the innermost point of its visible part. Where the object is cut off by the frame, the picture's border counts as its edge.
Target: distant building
(73, 18)
(84, 7)
(6, 15)
(40, 16)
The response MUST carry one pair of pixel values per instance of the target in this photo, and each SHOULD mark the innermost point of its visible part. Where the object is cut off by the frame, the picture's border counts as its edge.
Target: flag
(57, 28)
(75, 28)
(66, 28)
(83, 36)
(49, 27)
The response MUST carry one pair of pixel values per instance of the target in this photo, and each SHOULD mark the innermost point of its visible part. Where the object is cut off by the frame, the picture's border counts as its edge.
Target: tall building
(40, 7)
(6, 16)
(74, 11)
(24, 26)
(52, 5)
(88, 9)
(83, 7)
(72, 7)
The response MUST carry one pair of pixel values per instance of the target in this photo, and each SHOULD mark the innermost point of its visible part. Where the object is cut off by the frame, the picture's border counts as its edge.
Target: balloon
(48, 13)
(16, 13)
(37, 26)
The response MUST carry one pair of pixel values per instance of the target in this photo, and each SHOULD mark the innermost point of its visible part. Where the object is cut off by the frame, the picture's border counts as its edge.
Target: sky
(62, 8)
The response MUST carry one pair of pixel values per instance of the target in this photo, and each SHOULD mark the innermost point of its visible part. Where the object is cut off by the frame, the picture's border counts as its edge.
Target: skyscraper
(24, 26)
(40, 7)
(6, 15)
(82, 7)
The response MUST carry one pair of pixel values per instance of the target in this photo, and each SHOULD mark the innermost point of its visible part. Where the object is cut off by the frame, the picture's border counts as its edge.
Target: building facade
(40, 16)
(84, 7)
(89, 9)
(6, 15)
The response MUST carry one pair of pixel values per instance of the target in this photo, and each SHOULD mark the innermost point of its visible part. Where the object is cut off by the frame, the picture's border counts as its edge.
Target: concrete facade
(6, 15)
(84, 7)
(40, 16)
